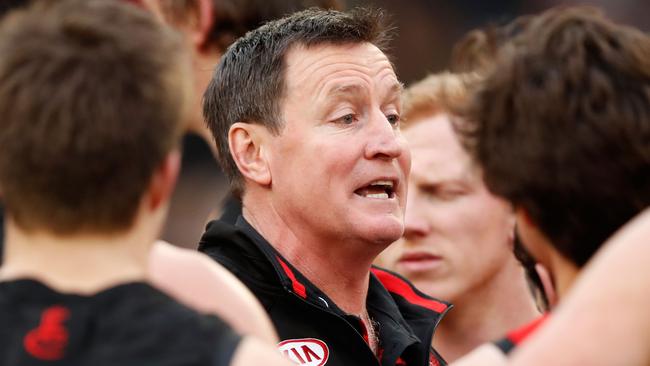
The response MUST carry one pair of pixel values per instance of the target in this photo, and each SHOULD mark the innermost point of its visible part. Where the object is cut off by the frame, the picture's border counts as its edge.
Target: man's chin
(385, 233)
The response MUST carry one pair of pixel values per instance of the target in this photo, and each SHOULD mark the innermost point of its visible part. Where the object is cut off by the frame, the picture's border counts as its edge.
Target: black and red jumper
(313, 330)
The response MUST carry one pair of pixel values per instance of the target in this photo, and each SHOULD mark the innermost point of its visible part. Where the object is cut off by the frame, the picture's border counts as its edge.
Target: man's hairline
(293, 46)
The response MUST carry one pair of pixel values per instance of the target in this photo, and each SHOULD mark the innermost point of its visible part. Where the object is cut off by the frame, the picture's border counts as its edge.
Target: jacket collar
(390, 296)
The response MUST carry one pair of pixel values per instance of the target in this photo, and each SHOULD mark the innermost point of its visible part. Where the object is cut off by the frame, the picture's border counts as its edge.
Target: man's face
(457, 234)
(339, 166)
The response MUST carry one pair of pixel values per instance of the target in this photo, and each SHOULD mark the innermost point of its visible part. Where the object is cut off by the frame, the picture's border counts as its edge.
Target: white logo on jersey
(305, 351)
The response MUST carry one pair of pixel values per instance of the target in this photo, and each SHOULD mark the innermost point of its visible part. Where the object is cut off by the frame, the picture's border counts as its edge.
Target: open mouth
(380, 189)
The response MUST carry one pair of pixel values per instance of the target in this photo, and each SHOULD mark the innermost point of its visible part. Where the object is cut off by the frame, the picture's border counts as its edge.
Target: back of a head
(233, 18)
(478, 49)
(249, 84)
(562, 127)
(91, 96)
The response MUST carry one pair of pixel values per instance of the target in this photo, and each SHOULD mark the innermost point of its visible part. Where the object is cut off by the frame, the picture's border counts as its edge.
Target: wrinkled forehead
(325, 66)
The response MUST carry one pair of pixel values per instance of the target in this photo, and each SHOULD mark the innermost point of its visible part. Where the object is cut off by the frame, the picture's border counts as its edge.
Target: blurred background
(426, 32)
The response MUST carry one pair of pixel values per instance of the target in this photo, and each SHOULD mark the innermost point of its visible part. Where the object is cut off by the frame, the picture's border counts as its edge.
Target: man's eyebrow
(346, 90)
(355, 90)
(396, 89)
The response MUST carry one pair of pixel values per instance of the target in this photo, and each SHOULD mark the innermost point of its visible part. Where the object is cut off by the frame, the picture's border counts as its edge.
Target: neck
(485, 314)
(330, 263)
(564, 274)
(82, 263)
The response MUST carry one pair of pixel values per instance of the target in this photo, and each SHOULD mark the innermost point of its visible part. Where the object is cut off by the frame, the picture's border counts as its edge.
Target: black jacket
(313, 330)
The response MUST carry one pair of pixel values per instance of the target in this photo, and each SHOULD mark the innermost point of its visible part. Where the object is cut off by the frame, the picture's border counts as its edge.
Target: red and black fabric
(305, 316)
(517, 336)
(127, 325)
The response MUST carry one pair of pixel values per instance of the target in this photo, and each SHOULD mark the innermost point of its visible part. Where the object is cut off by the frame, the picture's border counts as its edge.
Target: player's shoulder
(150, 323)
(128, 324)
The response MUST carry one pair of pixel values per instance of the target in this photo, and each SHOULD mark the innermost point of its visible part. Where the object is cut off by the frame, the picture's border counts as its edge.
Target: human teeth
(380, 189)
(378, 195)
(382, 183)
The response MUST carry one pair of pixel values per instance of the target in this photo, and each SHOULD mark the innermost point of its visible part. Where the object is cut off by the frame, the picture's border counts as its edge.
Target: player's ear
(512, 227)
(204, 23)
(547, 284)
(164, 179)
(198, 23)
(248, 150)
(523, 220)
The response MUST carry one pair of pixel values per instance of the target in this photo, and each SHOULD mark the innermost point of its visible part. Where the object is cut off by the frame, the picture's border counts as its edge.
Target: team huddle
(493, 214)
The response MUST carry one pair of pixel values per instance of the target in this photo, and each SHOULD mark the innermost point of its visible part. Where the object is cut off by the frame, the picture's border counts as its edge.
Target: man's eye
(348, 119)
(442, 193)
(393, 119)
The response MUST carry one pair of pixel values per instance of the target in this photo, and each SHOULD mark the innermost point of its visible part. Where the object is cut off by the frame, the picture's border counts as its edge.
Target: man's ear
(547, 284)
(164, 180)
(522, 217)
(247, 147)
(512, 227)
(204, 23)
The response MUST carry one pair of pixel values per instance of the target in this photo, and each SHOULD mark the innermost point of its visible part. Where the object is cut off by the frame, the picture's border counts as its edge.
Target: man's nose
(384, 141)
(415, 224)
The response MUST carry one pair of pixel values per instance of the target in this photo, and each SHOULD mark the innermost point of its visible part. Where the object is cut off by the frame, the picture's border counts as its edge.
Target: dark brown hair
(233, 18)
(477, 50)
(562, 127)
(91, 96)
(249, 84)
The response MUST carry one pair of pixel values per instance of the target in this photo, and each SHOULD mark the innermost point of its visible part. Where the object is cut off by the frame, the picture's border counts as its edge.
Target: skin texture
(206, 286)
(487, 354)
(341, 132)
(457, 244)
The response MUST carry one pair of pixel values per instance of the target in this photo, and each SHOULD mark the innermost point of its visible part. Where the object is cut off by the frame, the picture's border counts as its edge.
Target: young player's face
(458, 235)
(339, 166)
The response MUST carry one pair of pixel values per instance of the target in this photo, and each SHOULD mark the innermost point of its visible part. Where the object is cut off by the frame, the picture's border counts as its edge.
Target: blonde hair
(445, 92)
